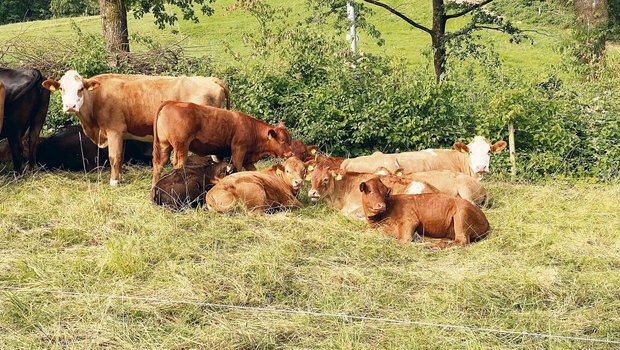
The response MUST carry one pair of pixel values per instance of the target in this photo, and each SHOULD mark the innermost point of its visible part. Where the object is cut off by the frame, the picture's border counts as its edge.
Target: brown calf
(340, 189)
(183, 127)
(433, 215)
(186, 187)
(268, 189)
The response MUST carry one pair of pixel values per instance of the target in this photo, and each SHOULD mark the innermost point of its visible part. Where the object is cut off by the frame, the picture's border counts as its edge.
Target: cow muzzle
(314, 195)
(70, 109)
(297, 183)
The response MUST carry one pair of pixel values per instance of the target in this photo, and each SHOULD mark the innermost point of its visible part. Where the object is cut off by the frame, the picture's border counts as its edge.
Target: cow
(448, 182)
(270, 189)
(25, 109)
(303, 152)
(187, 186)
(114, 107)
(339, 188)
(184, 126)
(431, 215)
(70, 149)
(472, 159)
(2, 97)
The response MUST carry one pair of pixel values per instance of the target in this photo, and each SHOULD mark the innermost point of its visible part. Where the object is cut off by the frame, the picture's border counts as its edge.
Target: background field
(551, 264)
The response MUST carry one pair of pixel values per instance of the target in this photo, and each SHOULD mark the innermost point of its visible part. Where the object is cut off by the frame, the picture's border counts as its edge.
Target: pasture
(550, 266)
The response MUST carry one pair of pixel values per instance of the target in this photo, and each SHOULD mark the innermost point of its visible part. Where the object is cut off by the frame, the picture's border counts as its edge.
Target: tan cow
(472, 159)
(259, 191)
(113, 107)
(448, 182)
(432, 215)
(340, 189)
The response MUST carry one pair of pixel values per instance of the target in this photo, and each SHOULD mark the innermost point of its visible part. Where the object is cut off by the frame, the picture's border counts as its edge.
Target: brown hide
(273, 188)
(432, 215)
(186, 187)
(124, 106)
(340, 189)
(184, 127)
(303, 152)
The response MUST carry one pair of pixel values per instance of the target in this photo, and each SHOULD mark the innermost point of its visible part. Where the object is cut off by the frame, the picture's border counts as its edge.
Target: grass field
(551, 265)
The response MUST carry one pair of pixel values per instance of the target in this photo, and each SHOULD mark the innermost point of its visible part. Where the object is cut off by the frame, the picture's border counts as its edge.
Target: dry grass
(551, 265)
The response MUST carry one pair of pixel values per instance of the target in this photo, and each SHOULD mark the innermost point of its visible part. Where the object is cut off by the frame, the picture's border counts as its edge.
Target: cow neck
(342, 188)
(463, 163)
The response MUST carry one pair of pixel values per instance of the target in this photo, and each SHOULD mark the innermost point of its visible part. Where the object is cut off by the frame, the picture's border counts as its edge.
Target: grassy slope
(211, 35)
(551, 265)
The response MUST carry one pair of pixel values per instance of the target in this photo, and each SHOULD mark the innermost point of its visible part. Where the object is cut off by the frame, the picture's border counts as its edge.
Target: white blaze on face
(415, 188)
(71, 91)
(479, 158)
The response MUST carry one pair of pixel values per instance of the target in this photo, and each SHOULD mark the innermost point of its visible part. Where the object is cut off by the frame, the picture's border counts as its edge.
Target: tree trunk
(591, 13)
(114, 20)
(438, 33)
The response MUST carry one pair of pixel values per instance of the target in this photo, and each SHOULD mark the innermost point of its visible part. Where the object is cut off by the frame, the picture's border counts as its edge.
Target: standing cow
(113, 107)
(25, 106)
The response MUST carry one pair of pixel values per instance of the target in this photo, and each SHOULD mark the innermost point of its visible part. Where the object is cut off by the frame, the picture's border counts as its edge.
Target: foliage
(70, 8)
(162, 17)
(537, 12)
(23, 10)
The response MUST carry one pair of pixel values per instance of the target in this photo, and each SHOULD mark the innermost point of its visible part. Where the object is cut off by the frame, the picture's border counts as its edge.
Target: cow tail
(156, 148)
(224, 87)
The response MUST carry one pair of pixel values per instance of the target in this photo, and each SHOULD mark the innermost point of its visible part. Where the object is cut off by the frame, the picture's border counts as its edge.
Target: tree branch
(402, 16)
(473, 7)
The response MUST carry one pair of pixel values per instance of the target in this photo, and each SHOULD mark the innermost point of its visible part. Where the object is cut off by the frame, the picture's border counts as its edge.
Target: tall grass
(550, 265)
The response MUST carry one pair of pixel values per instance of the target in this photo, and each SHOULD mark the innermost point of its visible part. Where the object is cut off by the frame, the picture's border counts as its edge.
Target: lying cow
(187, 186)
(114, 107)
(448, 182)
(273, 188)
(433, 215)
(340, 191)
(303, 152)
(70, 149)
(472, 159)
(25, 109)
(183, 127)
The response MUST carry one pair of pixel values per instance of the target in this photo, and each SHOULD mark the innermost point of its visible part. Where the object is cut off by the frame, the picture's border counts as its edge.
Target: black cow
(25, 109)
(187, 186)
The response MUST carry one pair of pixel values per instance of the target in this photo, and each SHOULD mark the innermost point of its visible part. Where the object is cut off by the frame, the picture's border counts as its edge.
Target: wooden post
(511, 145)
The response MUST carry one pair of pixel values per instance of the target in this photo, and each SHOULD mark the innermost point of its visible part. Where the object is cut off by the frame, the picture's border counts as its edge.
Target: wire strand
(310, 313)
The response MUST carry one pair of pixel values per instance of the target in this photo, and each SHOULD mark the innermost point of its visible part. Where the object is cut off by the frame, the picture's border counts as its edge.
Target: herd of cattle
(434, 193)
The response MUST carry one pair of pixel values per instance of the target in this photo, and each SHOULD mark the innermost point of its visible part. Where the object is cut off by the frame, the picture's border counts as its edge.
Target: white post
(352, 32)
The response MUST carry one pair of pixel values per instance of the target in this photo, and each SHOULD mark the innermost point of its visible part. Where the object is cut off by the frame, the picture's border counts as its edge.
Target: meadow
(84, 265)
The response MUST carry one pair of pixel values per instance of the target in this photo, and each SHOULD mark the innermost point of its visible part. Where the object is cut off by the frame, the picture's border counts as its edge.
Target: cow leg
(461, 236)
(405, 232)
(17, 150)
(237, 160)
(159, 161)
(180, 155)
(115, 154)
(36, 125)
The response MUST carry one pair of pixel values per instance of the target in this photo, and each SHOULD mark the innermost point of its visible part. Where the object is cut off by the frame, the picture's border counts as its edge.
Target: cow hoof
(113, 183)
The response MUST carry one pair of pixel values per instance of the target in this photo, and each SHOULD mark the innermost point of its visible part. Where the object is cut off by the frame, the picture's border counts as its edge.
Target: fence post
(511, 145)
(352, 32)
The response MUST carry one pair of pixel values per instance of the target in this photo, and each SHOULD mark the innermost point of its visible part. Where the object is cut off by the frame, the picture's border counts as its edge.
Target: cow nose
(297, 182)
(70, 107)
(482, 169)
(288, 154)
(380, 206)
(313, 194)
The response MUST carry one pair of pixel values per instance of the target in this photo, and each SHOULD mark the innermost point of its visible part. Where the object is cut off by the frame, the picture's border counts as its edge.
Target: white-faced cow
(472, 159)
(113, 107)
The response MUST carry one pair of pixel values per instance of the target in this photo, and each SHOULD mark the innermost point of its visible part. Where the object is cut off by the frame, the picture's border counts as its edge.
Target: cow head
(323, 181)
(72, 89)
(292, 170)
(479, 153)
(303, 152)
(374, 196)
(279, 141)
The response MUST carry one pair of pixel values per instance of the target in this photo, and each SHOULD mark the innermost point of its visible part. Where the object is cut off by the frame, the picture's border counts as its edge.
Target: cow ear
(280, 124)
(278, 168)
(91, 84)
(399, 172)
(271, 134)
(338, 174)
(51, 84)
(498, 146)
(461, 147)
(363, 187)
(230, 169)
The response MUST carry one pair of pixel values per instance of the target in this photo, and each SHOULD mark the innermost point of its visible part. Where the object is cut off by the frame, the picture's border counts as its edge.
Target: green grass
(550, 265)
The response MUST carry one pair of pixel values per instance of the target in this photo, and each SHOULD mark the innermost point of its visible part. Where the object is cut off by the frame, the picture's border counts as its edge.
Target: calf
(340, 191)
(186, 187)
(448, 182)
(433, 215)
(184, 127)
(272, 188)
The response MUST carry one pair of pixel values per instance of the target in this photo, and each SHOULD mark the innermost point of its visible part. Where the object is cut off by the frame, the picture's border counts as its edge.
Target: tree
(592, 21)
(114, 19)
(23, 10)
(442, 13)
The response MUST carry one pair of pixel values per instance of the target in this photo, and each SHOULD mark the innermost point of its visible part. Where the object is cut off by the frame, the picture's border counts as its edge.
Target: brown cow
(187, 186)
(272, 188)
(113, 107)
(303, 152)
(448, 182)
(340, 188)
(183, 127)
(433, 215)
(472, 159)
